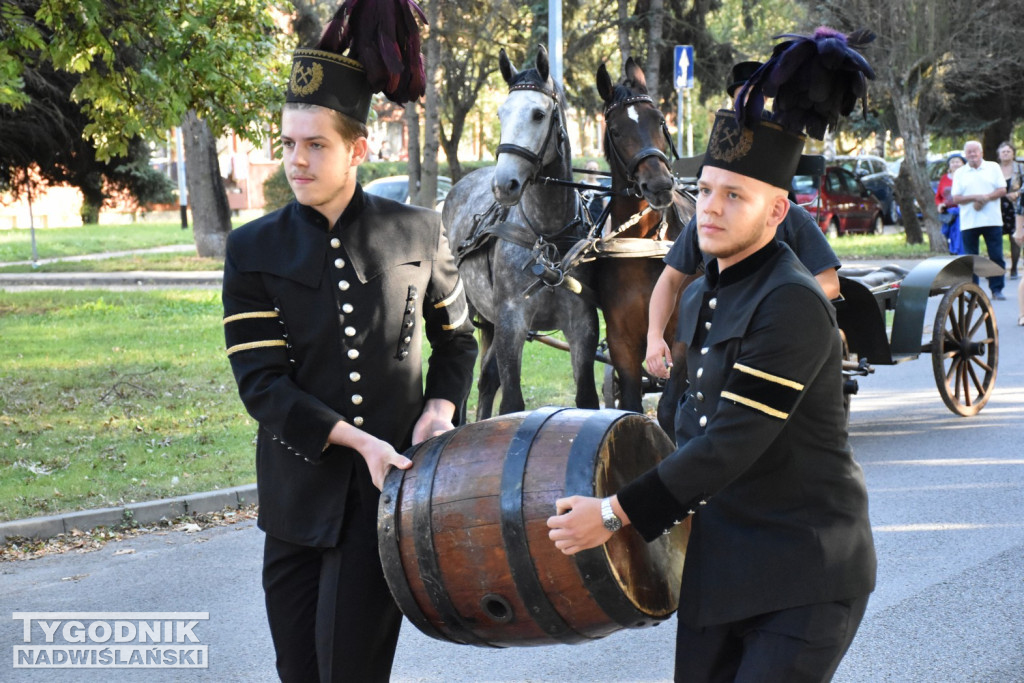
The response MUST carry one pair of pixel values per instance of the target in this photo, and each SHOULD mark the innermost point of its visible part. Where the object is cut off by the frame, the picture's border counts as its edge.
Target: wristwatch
(611, 522)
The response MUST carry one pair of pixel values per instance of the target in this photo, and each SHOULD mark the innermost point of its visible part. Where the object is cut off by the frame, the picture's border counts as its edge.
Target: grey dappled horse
(533, 145)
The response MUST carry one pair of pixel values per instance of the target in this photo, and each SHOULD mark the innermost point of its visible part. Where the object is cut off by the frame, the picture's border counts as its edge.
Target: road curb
(146, 512)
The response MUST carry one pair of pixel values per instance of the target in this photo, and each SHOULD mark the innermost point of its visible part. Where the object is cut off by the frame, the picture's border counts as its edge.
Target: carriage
(882, 314)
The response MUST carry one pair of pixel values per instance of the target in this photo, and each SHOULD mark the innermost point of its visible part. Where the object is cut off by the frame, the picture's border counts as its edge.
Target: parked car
(934, 168)
(839, 202)
(396, 187)
(874, 173)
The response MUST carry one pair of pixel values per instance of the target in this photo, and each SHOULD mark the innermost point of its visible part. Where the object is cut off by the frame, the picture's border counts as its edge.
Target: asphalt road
(947, 503)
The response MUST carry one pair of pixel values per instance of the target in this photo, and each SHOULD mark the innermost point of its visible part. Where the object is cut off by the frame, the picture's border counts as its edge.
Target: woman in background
(1013, 171)
(948, 211)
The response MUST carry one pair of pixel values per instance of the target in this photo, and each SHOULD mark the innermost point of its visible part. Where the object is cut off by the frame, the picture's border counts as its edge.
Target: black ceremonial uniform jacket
(763, 463)
(324, 323)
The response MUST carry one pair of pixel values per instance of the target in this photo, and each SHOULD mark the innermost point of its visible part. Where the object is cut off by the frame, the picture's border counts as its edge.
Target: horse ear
(543, 68)
(635, 74)
(604, 83)
(508, 71)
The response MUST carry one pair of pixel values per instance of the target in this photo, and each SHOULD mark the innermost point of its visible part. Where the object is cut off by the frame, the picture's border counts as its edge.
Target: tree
(45, 132)
(922, 46)
(142, 66)
(468, 34)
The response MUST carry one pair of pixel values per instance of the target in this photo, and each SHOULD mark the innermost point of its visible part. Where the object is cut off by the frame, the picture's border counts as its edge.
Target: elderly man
(977, 187)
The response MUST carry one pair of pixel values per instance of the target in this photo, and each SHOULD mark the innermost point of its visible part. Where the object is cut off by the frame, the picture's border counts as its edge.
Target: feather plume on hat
(813, 79)
(383, 36)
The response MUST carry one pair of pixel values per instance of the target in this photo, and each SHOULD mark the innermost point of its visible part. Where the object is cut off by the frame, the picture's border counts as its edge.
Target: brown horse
(648, 211)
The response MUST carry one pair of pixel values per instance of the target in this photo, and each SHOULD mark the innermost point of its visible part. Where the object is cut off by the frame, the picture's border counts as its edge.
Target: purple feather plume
(383, 36)
(813, 79)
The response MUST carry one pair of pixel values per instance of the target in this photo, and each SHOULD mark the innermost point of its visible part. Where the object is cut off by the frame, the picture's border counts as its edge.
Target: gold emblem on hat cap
(729, 143)
(306, 80)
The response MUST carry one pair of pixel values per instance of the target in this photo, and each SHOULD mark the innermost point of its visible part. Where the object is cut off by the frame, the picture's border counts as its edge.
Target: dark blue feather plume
(813, 79)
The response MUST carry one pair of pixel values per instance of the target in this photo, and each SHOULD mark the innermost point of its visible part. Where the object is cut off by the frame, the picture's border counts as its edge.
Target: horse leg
(487, 385)
(582, 334)
(509, 339)
(488, 382)
(626, 355)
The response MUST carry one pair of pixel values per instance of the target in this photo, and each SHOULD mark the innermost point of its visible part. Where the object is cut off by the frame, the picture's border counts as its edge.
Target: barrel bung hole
(497, 608)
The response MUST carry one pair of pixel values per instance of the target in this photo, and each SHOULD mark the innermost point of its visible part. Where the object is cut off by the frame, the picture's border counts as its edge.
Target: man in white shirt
(977, 187)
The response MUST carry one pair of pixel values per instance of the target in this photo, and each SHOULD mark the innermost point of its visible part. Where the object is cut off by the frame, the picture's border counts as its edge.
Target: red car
(839, 202)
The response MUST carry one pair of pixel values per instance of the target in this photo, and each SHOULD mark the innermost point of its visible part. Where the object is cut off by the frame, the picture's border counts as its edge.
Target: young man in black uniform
(326, 302)
(798, 229)
(780, 560)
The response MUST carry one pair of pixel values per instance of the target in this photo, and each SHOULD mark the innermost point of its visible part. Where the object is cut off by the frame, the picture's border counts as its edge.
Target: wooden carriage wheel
(965, 349)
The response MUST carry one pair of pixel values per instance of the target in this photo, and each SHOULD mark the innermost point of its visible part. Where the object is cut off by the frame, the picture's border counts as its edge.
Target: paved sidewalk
(144, 513)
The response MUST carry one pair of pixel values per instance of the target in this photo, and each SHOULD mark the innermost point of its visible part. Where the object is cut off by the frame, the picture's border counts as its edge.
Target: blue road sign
(683, 61)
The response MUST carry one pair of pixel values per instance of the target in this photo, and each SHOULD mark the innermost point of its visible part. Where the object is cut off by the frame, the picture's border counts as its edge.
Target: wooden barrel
(464, 539)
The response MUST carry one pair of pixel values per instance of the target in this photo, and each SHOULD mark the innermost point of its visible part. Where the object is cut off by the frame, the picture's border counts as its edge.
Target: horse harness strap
(634, 247)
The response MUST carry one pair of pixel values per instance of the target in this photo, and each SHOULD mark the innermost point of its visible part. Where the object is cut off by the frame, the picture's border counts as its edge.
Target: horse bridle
(644, 153)
(536, 159)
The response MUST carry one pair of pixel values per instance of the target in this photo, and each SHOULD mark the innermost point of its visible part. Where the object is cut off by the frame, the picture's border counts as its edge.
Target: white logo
(110, 640)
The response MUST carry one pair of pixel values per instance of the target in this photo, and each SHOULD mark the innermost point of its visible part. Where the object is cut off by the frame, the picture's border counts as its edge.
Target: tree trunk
(451, 143)
(211, 215)
(412, 128)
(655, 20)
(431, 124)
(624, 22)
(915, 181)
(93, 197)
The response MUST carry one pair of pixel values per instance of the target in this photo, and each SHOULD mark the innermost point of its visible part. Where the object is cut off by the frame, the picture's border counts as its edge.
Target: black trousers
(332, 617)
(799, 645)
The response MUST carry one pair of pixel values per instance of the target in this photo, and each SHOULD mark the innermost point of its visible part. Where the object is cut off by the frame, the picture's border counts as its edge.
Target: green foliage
(17, 33)
(147, 184)
(276, 191)
(144, 64)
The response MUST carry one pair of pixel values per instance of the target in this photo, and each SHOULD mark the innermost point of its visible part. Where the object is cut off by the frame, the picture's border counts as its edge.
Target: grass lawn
(113, 397)
(16, 245)
(175, 262)
(878, 247)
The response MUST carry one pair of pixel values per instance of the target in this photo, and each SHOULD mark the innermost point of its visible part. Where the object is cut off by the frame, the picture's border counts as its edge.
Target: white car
(396, 187)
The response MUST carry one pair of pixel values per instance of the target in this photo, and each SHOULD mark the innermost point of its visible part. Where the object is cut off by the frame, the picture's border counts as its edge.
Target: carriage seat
(874, 277)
